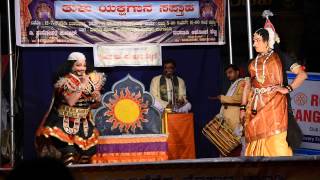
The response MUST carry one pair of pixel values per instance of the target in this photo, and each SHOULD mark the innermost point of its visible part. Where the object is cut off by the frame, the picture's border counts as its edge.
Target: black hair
(66, 68)
(263, 33)
(234, 67)
(169, 61)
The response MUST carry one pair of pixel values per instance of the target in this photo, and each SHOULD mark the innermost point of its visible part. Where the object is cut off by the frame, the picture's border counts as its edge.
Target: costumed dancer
(264, 104)
(68, 131)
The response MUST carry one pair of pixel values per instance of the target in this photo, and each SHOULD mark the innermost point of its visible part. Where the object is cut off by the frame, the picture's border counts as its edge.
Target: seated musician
(169, 90)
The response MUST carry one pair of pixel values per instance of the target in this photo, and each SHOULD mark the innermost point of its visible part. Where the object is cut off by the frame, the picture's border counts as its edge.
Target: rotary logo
(300, 99)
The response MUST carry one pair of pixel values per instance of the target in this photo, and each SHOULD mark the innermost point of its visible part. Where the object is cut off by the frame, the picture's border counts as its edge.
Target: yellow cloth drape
(275, 145)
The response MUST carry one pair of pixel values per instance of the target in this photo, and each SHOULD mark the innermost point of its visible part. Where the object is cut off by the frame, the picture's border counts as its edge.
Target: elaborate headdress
(74, 56)
(273, 36)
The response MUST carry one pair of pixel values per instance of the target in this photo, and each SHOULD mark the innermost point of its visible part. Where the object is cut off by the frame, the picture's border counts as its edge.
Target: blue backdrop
(199, 66)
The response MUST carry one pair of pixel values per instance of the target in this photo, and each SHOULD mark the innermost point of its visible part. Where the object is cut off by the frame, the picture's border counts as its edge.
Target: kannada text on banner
(127, 55)
(85, 23)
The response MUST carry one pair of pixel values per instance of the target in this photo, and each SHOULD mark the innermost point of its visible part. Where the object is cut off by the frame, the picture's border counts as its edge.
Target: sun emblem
(126, 111)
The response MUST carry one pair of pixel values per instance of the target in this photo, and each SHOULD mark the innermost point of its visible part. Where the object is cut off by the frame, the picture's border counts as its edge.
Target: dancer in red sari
(264, 102)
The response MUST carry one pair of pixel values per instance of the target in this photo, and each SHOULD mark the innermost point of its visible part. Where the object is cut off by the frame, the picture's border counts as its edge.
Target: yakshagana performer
(68, 131)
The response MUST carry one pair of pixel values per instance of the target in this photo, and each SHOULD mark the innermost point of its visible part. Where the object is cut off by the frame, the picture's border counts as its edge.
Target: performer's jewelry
(73, 112)
(254, 111)
(79, 89)
(242, 107)
(262, 78)
(85, 128)
(290, 89)
(71, 130)
(294, 65)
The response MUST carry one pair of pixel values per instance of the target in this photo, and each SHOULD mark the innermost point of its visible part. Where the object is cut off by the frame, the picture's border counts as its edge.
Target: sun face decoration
(126, 111)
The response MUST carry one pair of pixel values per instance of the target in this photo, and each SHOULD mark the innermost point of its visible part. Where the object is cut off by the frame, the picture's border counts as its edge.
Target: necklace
(262, 78)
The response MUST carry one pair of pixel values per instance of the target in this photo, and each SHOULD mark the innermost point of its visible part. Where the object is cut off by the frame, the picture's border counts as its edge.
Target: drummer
(230, 109)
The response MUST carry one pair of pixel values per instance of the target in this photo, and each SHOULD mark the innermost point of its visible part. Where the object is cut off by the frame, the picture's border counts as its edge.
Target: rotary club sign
(305, 102)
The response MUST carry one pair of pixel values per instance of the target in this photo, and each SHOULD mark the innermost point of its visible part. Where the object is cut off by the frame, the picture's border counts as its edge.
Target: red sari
(266, 130)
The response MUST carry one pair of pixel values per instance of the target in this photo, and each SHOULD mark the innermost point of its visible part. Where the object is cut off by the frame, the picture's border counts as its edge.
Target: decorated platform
(130, 126)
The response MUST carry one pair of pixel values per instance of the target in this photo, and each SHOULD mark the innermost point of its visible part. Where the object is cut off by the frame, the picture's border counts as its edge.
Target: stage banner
(305, 103)
(85, 23)
(127, 55)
